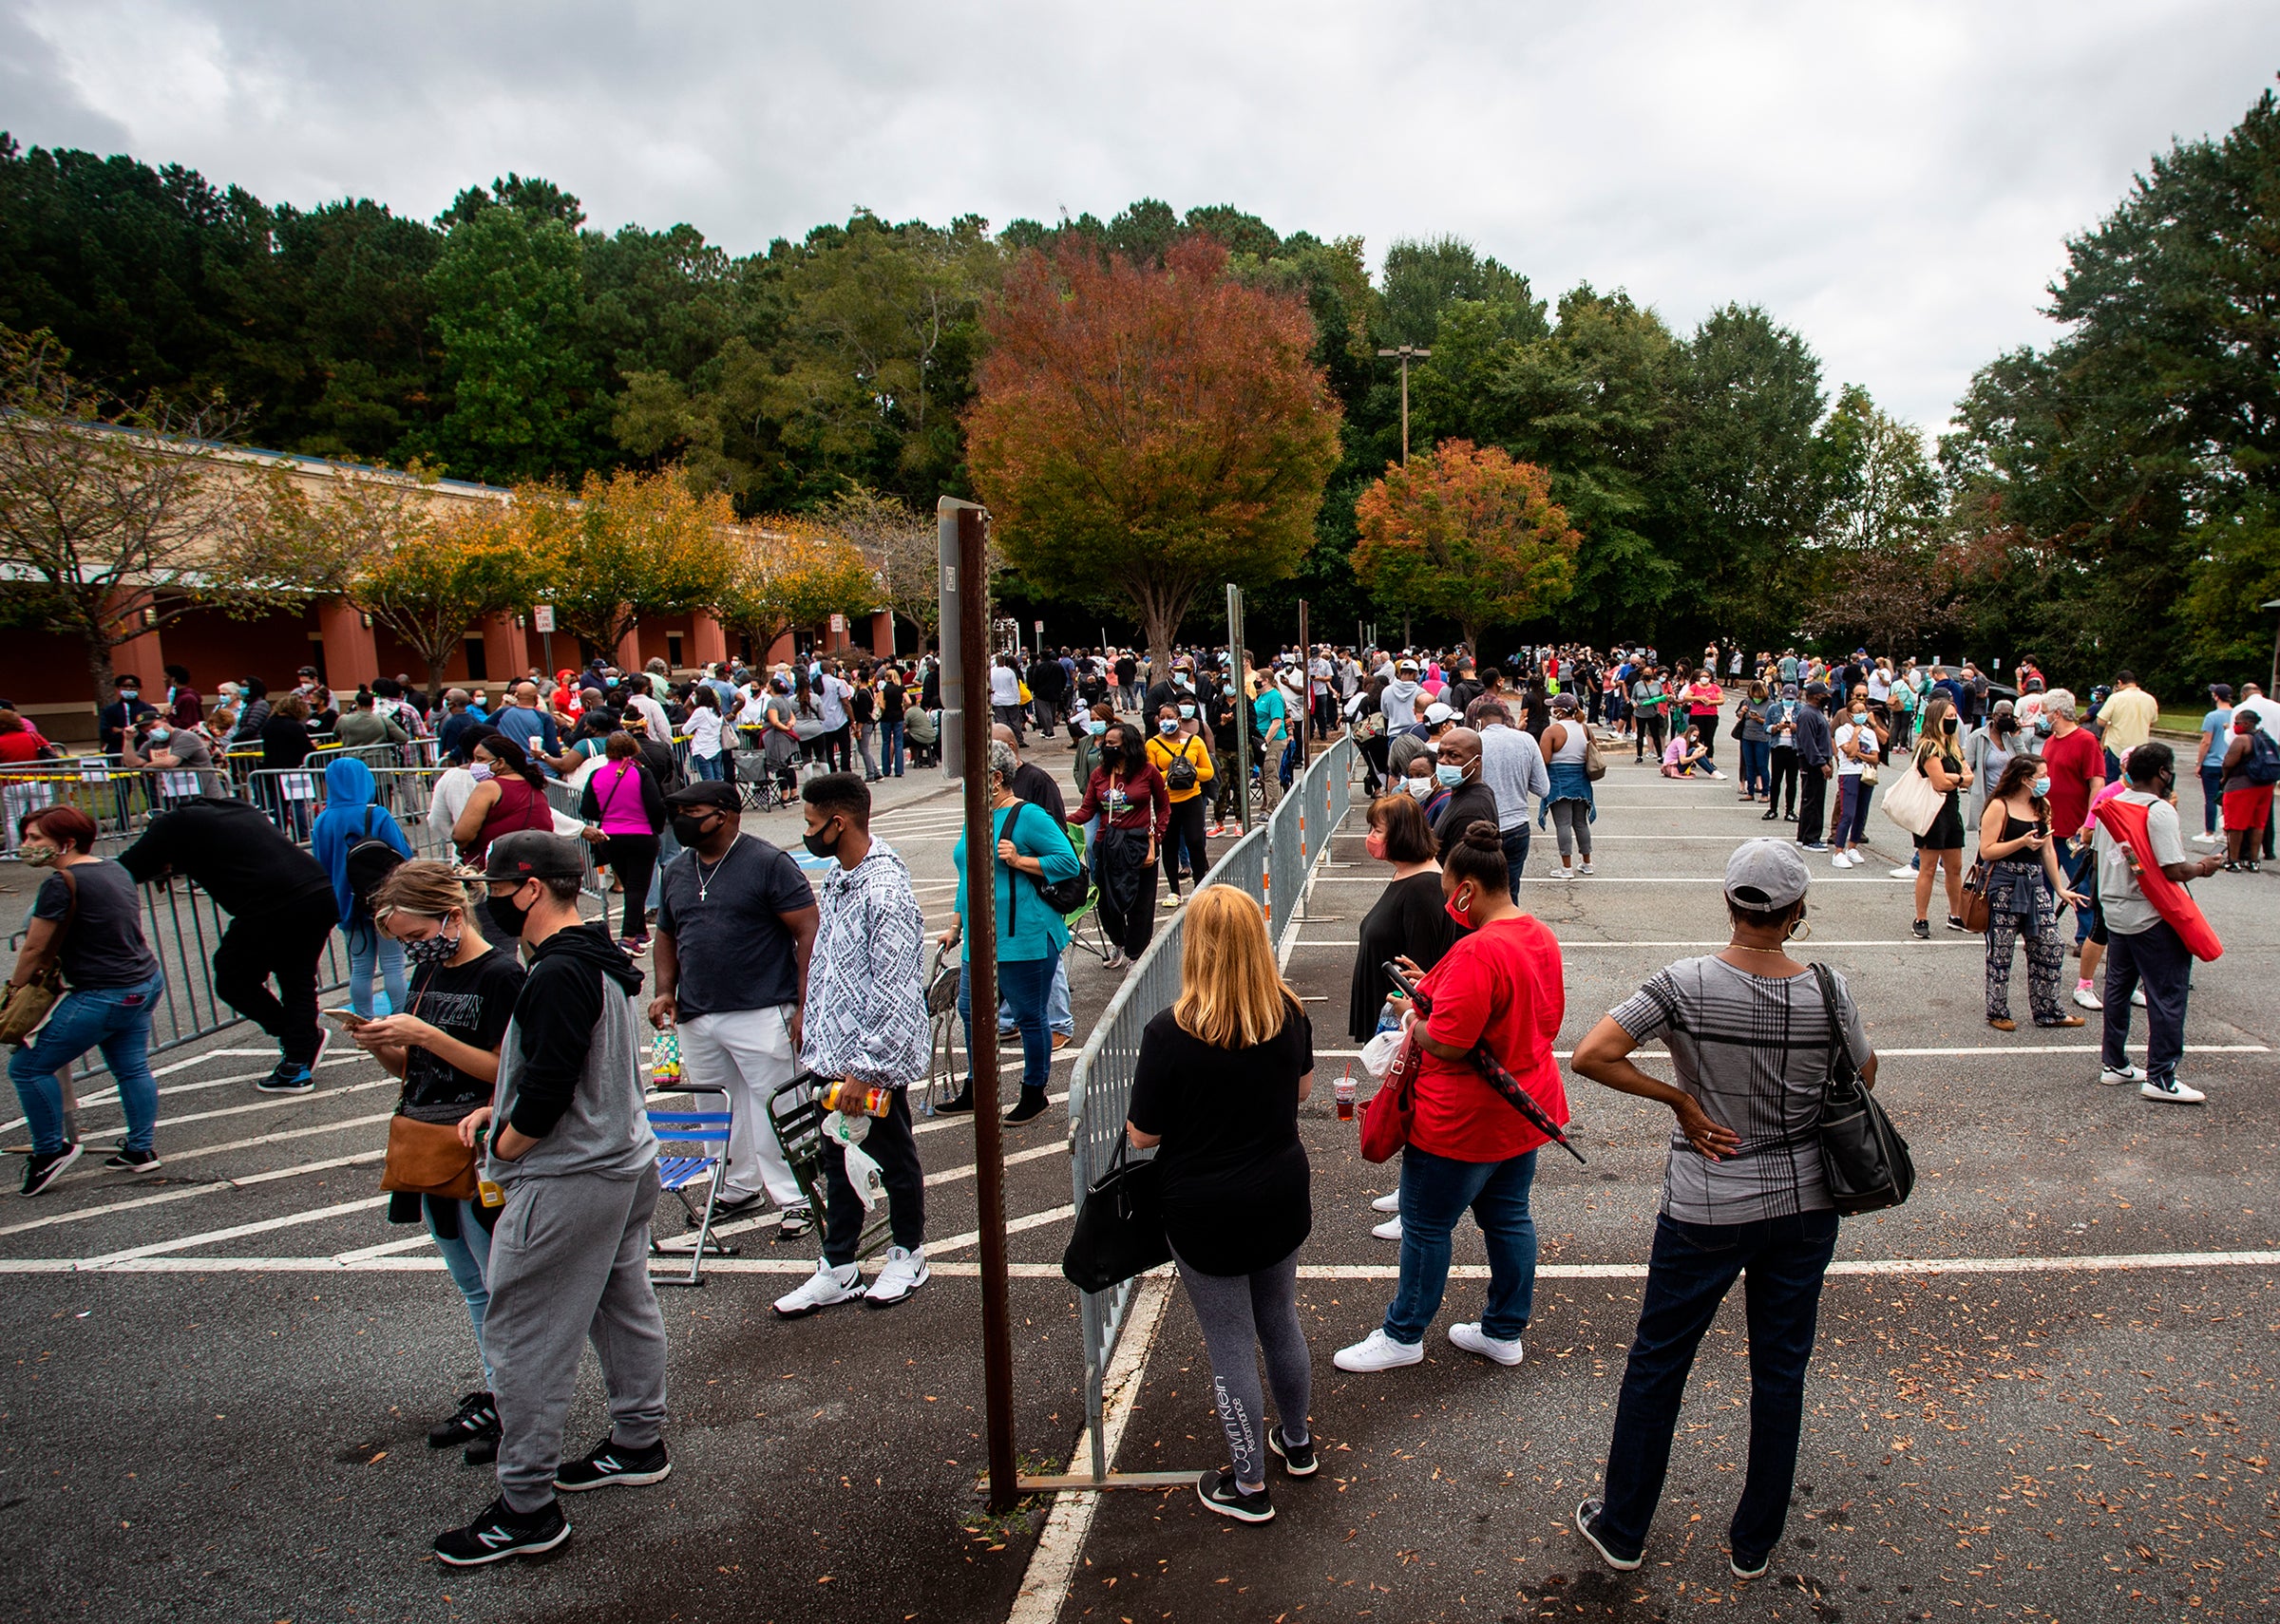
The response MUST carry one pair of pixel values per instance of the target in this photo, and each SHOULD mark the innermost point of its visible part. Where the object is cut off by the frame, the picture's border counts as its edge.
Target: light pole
(1407, 352)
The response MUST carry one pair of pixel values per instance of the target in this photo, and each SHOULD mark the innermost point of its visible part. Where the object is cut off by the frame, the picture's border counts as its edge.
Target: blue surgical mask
(1231, 687)
(2042, 787)
(1187, 711)
(1096, 729)
(1167, 725)
(1860, 718)
(1451, 776)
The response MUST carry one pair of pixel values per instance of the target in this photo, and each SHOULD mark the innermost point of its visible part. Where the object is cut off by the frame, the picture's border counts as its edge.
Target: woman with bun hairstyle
(1500, 986)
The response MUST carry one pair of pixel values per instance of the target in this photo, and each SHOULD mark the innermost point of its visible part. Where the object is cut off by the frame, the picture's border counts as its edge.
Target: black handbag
(1061, 895)
(1863, 1156)
(1119, 1229)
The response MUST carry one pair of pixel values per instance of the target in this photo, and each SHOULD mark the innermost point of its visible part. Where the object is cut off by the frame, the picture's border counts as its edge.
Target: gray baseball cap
(1766, 874)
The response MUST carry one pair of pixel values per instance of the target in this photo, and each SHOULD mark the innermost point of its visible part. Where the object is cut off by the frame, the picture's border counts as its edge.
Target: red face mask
(1462, 916)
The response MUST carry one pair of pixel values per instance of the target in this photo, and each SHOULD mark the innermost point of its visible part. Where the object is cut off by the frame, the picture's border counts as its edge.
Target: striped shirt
(1755, 1051)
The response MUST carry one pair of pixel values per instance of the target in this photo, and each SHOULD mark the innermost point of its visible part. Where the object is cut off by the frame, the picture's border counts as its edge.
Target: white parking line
(169, 1196)
(213, 1237)
(110, 1096)
(1014, 1226)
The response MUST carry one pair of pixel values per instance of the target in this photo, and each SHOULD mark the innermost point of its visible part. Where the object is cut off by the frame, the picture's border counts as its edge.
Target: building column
(782, 652)
(505, 649)
(882, 634)
(709, 642)
(351, 654)
(141, 656)
(629, 651)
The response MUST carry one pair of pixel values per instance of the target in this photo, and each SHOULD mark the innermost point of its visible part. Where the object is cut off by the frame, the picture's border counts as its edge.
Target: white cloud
(1896, 181)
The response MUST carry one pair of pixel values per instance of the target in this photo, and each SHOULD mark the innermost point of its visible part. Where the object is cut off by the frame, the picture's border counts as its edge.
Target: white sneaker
(1903, 871)
(2088, 999)
(1378, 1352)
(824, 1288)
(2112, 1076)
(1838, 859)
(1389, 1230)
(2137, 996)
(2176, 1093)
(905, 1272)
(1390, 1202)
(1584, 869)
(2204, 840)
(1473, 1340)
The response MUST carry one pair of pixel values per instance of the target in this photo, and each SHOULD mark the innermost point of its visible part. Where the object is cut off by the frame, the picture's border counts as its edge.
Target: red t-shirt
(2074, 761)
(1501, 984)
(22, 744)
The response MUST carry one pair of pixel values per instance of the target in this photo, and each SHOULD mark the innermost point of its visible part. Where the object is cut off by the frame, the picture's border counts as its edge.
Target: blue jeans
(890, 748)
(1691, 1267)
(1757, 766)
(1056, 1005)
(2212, 794)
(371, 948)
(706, 770)
(669, 847)
(1515, 857)
(114, 1019)
(1027, 987)
(1852, 825)
(467, 1256)
(1434, 1193)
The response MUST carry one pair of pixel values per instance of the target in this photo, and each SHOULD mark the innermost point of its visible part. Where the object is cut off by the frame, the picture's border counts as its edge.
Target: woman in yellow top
(1185, 762)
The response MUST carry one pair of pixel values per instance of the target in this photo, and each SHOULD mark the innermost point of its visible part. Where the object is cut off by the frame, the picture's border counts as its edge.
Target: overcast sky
(1895, 181)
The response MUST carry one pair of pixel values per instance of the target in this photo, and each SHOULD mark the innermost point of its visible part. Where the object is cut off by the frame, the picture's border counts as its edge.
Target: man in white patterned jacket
(866, 1022)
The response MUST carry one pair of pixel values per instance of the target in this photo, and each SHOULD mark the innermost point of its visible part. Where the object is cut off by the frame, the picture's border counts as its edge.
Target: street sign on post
(541, 617)
(950, 638)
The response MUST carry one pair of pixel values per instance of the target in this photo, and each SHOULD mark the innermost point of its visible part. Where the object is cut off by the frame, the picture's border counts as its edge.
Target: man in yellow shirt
(1185, 762)
(2127, 716)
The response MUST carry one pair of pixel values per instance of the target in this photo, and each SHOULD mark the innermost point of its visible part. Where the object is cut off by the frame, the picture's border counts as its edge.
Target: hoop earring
(1800, 930)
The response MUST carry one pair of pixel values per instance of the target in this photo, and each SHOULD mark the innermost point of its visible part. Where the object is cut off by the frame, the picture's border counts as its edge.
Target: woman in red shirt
(1500, 986)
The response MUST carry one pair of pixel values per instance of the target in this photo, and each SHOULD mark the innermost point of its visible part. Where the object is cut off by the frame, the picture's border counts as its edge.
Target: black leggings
(1784, 778)
(632, 859)
(1650, 736)
(286, 945)
(1185, 830)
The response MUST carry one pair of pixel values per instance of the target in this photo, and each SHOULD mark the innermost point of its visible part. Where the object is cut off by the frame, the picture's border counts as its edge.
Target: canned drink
(1345, 1096)
(665, 1059)
(491, 1194)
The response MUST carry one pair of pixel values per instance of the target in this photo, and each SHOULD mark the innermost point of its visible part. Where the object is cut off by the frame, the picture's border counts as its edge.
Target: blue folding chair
(682, 1160)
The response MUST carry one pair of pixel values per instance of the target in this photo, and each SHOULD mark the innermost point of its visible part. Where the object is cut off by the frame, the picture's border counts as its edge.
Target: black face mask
(508, 914)
(689, 830)
(818, 846)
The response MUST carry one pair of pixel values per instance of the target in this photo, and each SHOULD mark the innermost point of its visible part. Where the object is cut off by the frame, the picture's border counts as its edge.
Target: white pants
(749, 1053)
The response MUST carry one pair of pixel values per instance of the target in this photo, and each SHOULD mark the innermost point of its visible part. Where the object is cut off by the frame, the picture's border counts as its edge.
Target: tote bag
(1862, 1155)
(1912, 803)
(1119, 1229)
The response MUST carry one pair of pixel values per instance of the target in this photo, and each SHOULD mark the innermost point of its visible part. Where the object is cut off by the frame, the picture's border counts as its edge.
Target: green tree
(628, 547)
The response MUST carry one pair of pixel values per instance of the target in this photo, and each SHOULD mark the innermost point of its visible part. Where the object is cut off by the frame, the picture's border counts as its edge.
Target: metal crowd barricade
(1100, 1087)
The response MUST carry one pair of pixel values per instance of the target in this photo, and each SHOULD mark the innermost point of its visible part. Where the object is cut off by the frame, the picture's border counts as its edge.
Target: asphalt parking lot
(2044, 1388)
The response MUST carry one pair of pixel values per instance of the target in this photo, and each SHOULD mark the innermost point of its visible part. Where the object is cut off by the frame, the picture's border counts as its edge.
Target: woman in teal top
(1032, 850)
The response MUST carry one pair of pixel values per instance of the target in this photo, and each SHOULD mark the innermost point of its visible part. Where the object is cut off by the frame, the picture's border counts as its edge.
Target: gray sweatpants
(1241, 1315)
(1571, 823)
(570, 1263)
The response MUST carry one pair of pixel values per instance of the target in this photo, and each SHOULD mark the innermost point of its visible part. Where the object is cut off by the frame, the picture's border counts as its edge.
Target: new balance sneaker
(1473, 1340)
(2087, 999)
(827, 1288)
(1389, 1202)
(1298, 1459)
(611, 1466)
(2176, 1093)
(2114, 1076)
(1586, 1513)
(478, 1417)
(499, 1534)
(126, 1161)
(1217, 1490)
(1748, 1567)
(1378, 1352)
(41, 1171)
(905, 1272)
(290, 1077)
(1389, 1230)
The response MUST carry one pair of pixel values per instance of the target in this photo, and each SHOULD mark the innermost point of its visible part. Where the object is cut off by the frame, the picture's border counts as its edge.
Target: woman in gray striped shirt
(1753, 1036)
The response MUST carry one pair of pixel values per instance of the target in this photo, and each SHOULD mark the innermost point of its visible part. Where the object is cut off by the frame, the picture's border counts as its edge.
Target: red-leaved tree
(1469, 534)
(1139, 434)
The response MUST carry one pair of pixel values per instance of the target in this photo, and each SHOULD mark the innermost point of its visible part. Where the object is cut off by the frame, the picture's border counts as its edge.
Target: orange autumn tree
(1466, 533)
(1140, 433)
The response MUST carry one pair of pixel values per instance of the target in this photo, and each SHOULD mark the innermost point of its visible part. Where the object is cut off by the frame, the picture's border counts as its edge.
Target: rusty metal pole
(982, 945)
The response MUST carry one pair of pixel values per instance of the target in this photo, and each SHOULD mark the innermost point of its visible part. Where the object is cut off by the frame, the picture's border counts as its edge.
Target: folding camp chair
(699, 1131)
(944, 1074)
(797, 1111)
(1086, 932)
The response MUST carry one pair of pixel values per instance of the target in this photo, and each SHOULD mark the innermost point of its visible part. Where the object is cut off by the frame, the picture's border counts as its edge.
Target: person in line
(281, 909)
(1512, 765)
(352, 816)
(1687, 755)
(863, 718)
(867, 978)
(1184, 762)
(1859, 744)
(1038, 787)
(181, 756)
(445, 1046)
(571, 1150)
(1005, 696)
(1569, 802)
(708, 757)
(2077, 773)
(2209, 762)
(893, 700)
(1744, 1192)
(86, 923)
(1030, 852)
(2248, 802)
(510, 794)
(2143, 949)
(1500, 986)
(1216, 1092)
(1780, 716)
(624, 812)
(2024, 889)
(1756, 762)
(1939, 756)
(1456, 769)
(1410, 920)
(1817, 765)
(1650, 699)
(1085, 753)
(1704, 699)
(1128, 798)
(736, 924)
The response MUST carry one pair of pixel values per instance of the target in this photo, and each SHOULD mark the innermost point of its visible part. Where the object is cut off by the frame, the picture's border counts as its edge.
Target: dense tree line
(2110, 499)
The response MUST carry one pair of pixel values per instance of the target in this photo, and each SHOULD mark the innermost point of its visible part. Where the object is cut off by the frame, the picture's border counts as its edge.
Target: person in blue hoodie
(352, 816)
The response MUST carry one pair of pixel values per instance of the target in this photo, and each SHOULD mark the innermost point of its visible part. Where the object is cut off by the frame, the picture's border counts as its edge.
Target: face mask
(2042, 787)
(1860, 718)
(1451, 776)
(482, 771)
(1374, 843)
(508, 914)
(1096, 729)
(1420, 787)
(1187, 711)
(688, 830)
(1947, 724)
(160, 735)
(1229, 689)
(432, 952)
(818, 846)
(1167, 725)
(1459, 908)
(2043, 728)
(130, 694)
(39, 857)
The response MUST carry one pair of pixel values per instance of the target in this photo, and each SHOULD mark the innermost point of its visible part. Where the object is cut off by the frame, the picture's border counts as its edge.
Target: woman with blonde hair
(1217, 1090)
(1939, 756)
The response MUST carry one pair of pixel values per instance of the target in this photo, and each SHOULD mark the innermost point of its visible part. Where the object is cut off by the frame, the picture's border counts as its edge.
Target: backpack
(2263, 765)
(1179, 773)
(368, 861)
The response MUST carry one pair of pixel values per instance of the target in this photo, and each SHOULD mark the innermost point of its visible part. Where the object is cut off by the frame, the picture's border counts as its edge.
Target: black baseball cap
(533, 854)
(709, 793)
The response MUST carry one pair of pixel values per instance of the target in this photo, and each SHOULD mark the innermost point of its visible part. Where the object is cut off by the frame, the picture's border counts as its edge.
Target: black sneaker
(964, 1102)
(288, 1078)
(1218, 1491)
(1921, 930)
(481, 1452)
(796, 1221)
(1956, 923)
(736, 1206)
(126, 1161)
(499, 1534)
(478, 1417)
(609, 1464)
(1298, 1459)
(41, 1171)
(1748, 1567)
(1026, 1109)
(1585, 1513)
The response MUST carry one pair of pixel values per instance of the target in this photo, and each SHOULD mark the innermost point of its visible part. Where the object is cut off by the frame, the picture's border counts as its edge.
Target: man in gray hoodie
(572, 1155)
